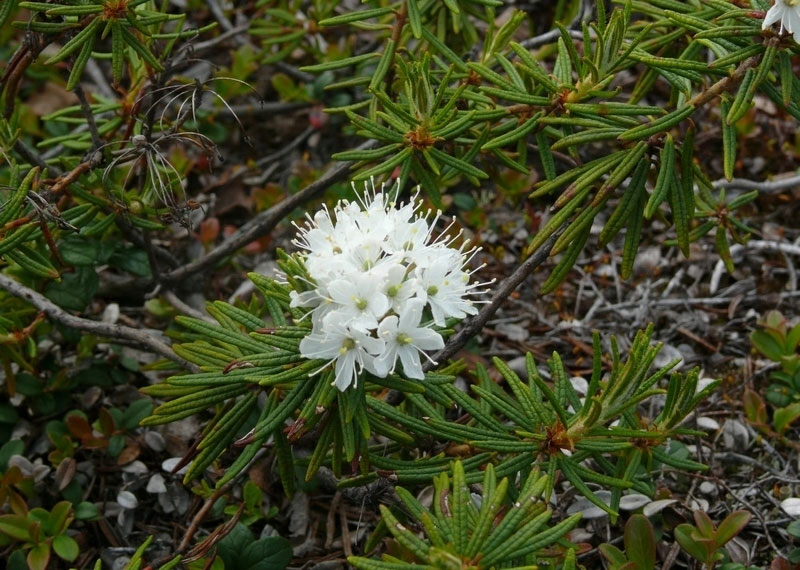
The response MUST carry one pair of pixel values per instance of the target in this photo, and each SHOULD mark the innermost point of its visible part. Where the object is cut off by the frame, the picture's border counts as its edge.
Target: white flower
(398, 287)
(360, 301)
(373, 270)
(346, 346)
(444, 288)
(405, 339)
(788, 12)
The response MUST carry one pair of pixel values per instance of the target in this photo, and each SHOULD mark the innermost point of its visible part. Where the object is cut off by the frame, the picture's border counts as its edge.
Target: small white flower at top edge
(788, 13)
(375, 270)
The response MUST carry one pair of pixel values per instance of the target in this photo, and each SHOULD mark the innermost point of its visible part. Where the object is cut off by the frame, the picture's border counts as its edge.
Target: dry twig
(113, 331)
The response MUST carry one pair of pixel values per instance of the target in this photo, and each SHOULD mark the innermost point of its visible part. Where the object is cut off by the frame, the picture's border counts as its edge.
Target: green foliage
(108, 432)
(511, 426)
(778, 342)
(597, 124)
(129, 23)
(240, 549)
(40, 533)
(640, 547)
(499, 529)
(449, 118)
(703, 540)
(793, 530)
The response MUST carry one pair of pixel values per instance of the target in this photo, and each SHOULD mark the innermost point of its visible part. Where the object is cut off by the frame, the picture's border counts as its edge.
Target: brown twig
(473, 326)
(97, 142)
(112, 331)
(13, 78)
(197, 519)
(264, 222)
(727, 83)
(62, 182)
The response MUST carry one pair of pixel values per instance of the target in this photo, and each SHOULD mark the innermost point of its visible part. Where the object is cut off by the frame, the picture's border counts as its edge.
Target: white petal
(388, 327)
(319, 346)
(792, 22)
(773, 15)
(411, 364)
(345, 369)
(427, 339)
(370, 344)
(384, 363)
(412, 313)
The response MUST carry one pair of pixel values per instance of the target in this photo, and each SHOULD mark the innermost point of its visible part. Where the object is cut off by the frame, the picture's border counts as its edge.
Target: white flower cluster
(375, 270)
(788, 13)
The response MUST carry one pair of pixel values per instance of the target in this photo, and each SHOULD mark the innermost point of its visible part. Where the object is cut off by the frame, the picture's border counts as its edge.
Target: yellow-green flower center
(347, 345)
(403, 338)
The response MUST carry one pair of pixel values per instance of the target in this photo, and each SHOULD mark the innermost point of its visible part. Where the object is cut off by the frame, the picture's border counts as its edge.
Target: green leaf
(78, 250)
(384, 64)
(743, 98)
(786, 75)
(86, 511)
(386, 166)
(80, 63)
(680, 212)
(733, 524)
(10, 448)
(6, 9)
(659, 125)
(784, 417)
(136, 412)
(269, 553)
(13, 205)
(140, 48)
(33, 262)
(15, 526)
(458, 164)
(404, 536)
(634, 230)
(571, 473)
(515, 134)
(117, 51)
(567, 262)
(16, 561)
(696, 549)
(132, 260)
(640, 542)
(339, 63)
(66, 548)
(613, 554)
(85, 35)
(39, 557)
(75, 290)
(729, 139)
(627, 207)
(723, 248)
(59, 519)
(357, 16)
(767, 345)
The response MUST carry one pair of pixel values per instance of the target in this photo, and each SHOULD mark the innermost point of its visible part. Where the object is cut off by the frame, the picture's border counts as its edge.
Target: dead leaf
(130, 453)
(65, 472)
